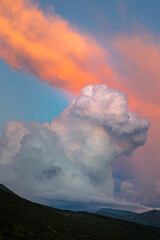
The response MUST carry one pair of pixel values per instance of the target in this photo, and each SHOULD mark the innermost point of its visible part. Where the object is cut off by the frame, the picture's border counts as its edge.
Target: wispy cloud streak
(49, 47)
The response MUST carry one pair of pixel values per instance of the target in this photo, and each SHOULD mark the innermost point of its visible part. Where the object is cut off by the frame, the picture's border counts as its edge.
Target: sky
(79, 101)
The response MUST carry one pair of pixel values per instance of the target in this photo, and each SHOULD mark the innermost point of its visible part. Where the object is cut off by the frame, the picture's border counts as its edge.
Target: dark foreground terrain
(22, 219)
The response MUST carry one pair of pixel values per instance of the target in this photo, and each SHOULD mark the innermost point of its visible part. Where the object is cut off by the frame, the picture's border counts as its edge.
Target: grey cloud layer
(71, 158)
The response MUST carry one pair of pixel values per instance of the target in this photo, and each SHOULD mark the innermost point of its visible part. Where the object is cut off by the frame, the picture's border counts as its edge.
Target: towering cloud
(71, 158)
(49, 47)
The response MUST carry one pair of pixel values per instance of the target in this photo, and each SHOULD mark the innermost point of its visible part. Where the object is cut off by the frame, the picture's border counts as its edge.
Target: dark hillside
(22, 219)
(5, 189)
(151, 218)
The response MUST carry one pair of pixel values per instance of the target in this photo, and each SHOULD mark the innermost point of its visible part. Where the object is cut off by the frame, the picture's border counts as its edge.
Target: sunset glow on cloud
(138, 65)
(49, 47)
(45, 45)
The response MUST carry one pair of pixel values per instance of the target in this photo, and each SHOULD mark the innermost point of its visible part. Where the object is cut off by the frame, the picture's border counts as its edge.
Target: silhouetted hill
(22, 219)
(150, 218)
(5, 188)
(119, 214)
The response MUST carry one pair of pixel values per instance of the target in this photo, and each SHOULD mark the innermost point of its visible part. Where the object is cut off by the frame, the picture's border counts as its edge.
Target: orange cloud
(138, 64)
(139, 70)
(49, 47)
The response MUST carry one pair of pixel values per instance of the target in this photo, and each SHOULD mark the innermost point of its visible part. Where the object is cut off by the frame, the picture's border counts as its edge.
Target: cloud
(51, 172)
(137, 58)
(31, 40)
(48, 47)
(128, 192)
(9, 145)
(137, 63)
(71, 158)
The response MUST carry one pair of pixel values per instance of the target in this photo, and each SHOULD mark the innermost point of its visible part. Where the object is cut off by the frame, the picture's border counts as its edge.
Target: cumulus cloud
(71, 158)
(128, 192)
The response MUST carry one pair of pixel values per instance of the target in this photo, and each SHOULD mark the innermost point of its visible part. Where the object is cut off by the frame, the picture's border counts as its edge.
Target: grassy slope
(22, 219)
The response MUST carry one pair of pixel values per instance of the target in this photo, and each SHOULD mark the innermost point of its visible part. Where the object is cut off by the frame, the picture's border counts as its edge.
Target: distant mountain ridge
(21, 219)
(115, 212)
(150, 218)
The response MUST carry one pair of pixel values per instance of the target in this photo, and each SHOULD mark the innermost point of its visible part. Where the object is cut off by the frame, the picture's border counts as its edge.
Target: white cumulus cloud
(71, 158)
